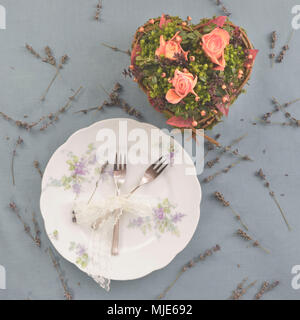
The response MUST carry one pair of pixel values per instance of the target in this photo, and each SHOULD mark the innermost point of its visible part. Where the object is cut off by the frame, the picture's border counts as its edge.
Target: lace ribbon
(101, 218)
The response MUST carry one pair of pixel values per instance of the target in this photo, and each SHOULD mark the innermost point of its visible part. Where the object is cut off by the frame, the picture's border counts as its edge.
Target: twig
(223, 8)
(55, 117)
(261, 175)
(285, 47)
(265, 287)
(67, 293)
(36, 164)
(37, 230)
(27, 229)
(246, 237)
(219, 196)
(128, 52)
(240, 290)
(63, 61)
(18, 143)
(97, 182)
(98, 10)
(188, 266)
(115, 101)
(228, 149)
(225, 170)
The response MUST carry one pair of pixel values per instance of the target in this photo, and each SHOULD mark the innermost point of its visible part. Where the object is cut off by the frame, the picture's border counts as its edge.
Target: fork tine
(159, 166)
(162, 169)
(125, 162)
(116, 162)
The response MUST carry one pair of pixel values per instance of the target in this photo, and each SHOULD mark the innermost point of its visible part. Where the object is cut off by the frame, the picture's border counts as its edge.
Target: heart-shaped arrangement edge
(191, 72)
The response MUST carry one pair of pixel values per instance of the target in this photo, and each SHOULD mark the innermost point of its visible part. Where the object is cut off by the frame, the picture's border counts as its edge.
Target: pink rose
(171, 47)
(184, 83)
(213, 45)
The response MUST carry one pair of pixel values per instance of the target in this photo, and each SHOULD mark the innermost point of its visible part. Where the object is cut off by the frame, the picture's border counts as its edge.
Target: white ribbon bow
(101, 218)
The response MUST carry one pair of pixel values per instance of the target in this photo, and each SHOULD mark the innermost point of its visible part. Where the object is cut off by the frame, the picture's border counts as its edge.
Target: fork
(119, 179)
(152, 172)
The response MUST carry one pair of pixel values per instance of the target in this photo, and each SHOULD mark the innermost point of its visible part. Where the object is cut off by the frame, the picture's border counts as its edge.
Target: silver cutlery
(119, 179)
(152, 172)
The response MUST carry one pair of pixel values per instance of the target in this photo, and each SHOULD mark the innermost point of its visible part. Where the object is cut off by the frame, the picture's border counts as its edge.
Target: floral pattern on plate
(82, 169)
(82, 258)
(164, 219)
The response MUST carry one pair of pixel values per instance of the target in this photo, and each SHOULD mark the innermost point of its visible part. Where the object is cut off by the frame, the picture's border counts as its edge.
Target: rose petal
(180, 122)
(219, 21)
(173, 97)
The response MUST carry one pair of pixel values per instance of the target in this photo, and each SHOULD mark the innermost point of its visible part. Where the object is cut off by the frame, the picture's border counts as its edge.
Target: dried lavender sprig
(18, 143)
(98, 10)
(188, 266)
(219, 196)
(67, 293)
(37, 230)
(242, 234)
(115, 101)
(128, 52)
(32, 51)
(273, 44)
(223, 8)
(228, 149)
(50, 58)
(63, 60)
(36, 164)
(55, 117)
(261, 175)
(27, 229)
(225, 170)
(240, 290)
(285, 48)
(265, 287)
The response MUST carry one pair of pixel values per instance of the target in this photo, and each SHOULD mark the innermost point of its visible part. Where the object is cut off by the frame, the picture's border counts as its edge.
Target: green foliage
(151, 68)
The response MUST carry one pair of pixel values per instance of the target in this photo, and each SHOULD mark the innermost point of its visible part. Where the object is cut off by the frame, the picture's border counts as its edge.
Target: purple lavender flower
(177, 217)
(76, 188)
(80, 250)
(159, 213)
(80, 168)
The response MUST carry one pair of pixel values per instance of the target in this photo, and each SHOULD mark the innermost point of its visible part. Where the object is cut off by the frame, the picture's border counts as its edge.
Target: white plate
(146, 244)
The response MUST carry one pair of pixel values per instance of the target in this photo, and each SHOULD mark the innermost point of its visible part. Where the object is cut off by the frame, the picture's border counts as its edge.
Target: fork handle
(115, 241)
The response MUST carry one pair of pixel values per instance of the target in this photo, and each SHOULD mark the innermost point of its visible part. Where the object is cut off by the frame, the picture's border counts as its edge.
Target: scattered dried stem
(285, 47)
(219, 196)
(188, 266)
(246, 237)
(51, 118)
(223, 8)
(115, 101)
(128, 52)
(228, 149)
(241, 290)
(35, 238)
(261, 175)
(98, 10)
(36, 164)
(63, 60)
(18, 143)
(67, 293)
(225, 170)
(266, 287)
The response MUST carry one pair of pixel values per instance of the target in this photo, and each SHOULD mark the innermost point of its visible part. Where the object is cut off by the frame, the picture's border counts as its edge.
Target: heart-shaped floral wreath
(192, 73)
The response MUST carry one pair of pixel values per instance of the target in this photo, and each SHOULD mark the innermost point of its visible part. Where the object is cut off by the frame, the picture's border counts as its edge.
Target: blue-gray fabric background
(68, 27)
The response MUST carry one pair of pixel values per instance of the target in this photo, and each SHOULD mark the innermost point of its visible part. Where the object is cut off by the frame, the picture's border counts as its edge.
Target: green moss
(152, 68)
